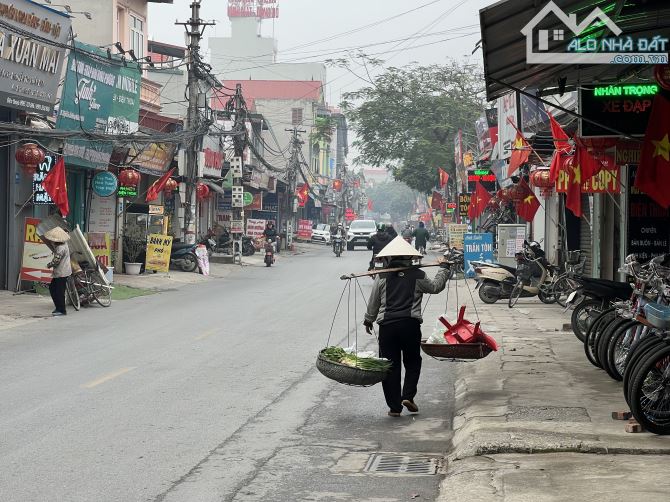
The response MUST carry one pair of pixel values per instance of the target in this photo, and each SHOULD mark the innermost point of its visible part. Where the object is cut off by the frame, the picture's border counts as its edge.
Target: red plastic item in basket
(466, 332)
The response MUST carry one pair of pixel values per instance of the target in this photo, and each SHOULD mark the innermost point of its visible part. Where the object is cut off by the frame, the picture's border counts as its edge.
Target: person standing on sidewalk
(395, 304)
(56, 239)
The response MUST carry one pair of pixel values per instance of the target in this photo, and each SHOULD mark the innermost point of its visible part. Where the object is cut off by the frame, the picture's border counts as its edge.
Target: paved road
(207, 393)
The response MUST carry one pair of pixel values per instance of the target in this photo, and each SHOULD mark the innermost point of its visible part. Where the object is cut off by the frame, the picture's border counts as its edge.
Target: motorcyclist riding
(339, 232)
(407, 233)
(270, 234)
(378, 242)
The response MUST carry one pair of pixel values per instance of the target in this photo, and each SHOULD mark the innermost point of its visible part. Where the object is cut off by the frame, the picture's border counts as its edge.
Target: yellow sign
(101, 247)
(159, 248)
(456, 235)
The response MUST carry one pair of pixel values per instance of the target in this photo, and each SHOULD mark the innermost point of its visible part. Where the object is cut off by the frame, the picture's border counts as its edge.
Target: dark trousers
(400, 341)
(57, 289)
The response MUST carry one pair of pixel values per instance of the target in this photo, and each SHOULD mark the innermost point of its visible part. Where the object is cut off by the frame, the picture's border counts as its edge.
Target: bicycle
(88, 285)
(565, 283)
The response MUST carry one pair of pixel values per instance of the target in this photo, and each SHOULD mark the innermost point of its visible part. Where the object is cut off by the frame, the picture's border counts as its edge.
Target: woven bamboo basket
(348, 375)
(456, 351)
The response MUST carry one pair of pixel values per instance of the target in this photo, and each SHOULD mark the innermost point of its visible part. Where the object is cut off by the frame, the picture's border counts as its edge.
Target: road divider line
(207, 334)
(107, 378)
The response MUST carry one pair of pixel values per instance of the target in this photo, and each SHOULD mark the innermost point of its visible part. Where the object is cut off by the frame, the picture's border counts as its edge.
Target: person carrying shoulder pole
(56, 239)
(395, 304)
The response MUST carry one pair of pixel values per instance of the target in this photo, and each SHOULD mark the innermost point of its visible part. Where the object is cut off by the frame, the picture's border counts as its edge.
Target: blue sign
(105, 184)
(477, 247)
(224, 202)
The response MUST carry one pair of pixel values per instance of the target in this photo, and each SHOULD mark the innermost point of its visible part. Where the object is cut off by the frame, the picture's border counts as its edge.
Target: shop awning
(504, 45)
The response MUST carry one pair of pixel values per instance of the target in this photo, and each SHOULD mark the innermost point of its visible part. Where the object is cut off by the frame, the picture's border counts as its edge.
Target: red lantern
(129, 178)
(202, 191)
(516, 193)
(170, 186)
(29, 155)
(542, 180)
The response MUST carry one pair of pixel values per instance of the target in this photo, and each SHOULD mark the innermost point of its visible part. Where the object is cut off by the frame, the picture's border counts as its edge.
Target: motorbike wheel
(593, 333)
(189, 263)
(650, 393)
(583, 315)
(515, 294)
(487, 294)
(546, 297)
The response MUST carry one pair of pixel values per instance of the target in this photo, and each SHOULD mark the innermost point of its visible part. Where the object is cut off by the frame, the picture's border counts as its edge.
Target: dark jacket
(378, 242)
(270, 233)
(391, 232)
(421, 236)
(398, 295)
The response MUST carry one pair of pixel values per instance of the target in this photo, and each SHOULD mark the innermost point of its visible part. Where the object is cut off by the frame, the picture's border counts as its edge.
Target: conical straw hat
(398, 247)
(57, 235)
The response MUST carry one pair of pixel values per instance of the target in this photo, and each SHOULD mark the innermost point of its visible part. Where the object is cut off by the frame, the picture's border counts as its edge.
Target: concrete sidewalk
(533, 420)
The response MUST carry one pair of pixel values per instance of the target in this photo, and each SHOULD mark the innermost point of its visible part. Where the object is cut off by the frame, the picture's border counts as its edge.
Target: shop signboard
(477, 247)
(100, 95)
(464, 203)
(100, 244)
(648, 223)
(40, 195)
(33, 44)
(484, 176)
(36, 254)
(255, 228)
(105, 184)
(507, 123)
(256, 202)
(606, 181)
(237, 226)
(456, 234)
(248, 199)
(305, 230)
(129, 192)
(154, 158)
(213, 158)
(270, 202)
(224, 201)
(157, 210)
(624, 107)
(102, 214)
(159, 248)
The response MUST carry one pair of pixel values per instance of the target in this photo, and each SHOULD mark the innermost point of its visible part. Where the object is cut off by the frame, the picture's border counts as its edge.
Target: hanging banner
(159, 248)
(477, 247)
(40, 195)
(36, 254)
(255, 228)
(305, 229)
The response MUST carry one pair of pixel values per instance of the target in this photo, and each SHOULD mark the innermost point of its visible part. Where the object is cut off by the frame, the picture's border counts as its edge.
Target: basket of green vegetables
(351, 368)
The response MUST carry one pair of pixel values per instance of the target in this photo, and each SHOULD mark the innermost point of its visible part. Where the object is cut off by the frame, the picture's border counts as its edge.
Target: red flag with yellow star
(520, 154)
(478, 201)
(653, 173)
(573, 200)
(444, 177)
(55, 185)
(528, 206)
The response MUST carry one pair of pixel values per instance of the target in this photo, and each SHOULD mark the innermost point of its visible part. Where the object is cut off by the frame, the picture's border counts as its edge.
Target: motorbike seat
(606, 288)
(511, 270)
(177, 246)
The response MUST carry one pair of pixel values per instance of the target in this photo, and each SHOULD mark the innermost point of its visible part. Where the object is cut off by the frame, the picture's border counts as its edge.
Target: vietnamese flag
(437, 202)
(370, 205)
(520, 154)
(55, 185)
(478, 201)
(653, 173)
(444, 177)
(573, 199)
(158, 185)
(528, 206)
(561, 144)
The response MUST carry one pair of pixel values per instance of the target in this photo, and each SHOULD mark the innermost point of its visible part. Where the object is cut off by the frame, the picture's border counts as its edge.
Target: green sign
(100, 95)
(127, 191)
(105, 184)
(616, 91)
(248, 198)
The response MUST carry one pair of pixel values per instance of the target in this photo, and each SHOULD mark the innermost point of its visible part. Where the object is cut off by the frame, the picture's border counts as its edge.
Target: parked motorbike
(455, 257)
(495, 281)
(225, 244)
(183, 255)
(338, 245)
(532, 277)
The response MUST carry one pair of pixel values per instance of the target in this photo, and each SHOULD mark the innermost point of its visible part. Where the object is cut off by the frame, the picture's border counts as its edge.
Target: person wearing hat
(378, 242)
(395, 304)
(56, 239)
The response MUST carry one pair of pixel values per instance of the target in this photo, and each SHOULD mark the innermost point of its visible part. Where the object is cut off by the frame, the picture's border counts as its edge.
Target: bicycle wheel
(562, 289)
(72, 293)
(99, 289)
(618, 349)
(583, 316)
(650, 393)
(594, 333)
(649, 345)
(515, 294)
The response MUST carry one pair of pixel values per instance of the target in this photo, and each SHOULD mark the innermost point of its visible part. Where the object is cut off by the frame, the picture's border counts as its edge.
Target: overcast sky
(308, 21)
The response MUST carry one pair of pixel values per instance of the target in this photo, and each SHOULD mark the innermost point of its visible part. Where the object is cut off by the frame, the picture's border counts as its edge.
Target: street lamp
(69, 10)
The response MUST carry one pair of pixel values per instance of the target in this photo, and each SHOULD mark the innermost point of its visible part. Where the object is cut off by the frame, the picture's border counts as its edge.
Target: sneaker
(58, 314)
(411, 407)
(394, 414)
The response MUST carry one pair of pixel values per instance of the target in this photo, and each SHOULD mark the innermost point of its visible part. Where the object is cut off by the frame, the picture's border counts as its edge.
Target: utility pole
(292, 180)
(194, 30)
(237, 166)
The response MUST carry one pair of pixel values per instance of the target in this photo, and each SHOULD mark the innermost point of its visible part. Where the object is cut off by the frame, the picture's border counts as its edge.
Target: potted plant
(134, 243)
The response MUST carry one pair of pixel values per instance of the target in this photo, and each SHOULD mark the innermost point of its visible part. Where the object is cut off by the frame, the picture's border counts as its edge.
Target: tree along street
(206, 393)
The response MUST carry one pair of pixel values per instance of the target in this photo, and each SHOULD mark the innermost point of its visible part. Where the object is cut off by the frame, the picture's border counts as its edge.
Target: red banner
(305, 229)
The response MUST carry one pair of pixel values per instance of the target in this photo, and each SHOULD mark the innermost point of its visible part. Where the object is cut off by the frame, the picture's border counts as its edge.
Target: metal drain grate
(384, 463)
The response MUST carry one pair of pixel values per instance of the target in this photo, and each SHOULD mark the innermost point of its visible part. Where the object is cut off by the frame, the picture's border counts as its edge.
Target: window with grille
(296, 116)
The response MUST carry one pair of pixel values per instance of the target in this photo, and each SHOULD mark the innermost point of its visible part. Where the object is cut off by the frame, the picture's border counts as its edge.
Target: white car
(321, 233)
(359, 233)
